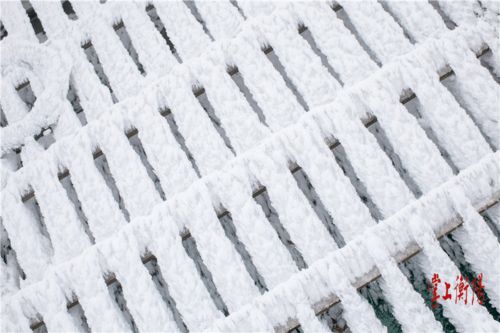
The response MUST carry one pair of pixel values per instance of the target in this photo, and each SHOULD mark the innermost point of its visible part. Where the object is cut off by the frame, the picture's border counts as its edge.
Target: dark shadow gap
(389, 11)
(308, 37)
(116, 292)
(101, 164)
(35, 21)
(333, 319)
(122, 33)
(342, 15)
(487, 62)
(3, 118)
(238, 79)
(78, 315)
(192, 251)
(180, 140)
(271, 56)
(162, 287)
(153, 16)
(194, 11)
(342, 160)
(207, 106)
(272, 216)
(230, 230)
(378, 132)
(46, 139)
(235, 4)
(32, 205)
(93, 58)
(73, 197)
(68, 9)
(74, 100)
(447, 21)
(372, 292)
(413, 106)
(26, 94)
(136, 144)
(3, 32)
(314, 200)
(9, 255)
(455, 252)
(415, 275)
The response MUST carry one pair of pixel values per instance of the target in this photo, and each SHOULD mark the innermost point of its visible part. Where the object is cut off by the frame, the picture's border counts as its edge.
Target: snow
(66, 239)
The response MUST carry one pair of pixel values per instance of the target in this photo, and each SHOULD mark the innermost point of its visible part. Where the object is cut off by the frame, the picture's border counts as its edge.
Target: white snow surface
(180, 166)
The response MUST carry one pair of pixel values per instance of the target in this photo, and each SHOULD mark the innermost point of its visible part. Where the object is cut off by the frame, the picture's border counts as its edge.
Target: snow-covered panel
(222, 18)
(267, 87)
(16, 21)
(130, 175)
(194, 210)
(303, 67)
(184, 30)
(377, 28)
(419, 18)
(233, 188)
(339, 45)
(306, 230)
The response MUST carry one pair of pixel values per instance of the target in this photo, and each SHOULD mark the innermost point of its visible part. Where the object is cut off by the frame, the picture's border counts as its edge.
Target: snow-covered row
(460, 12)
(101, 210)
(303, 67)
(194, 210)
(444, 115)
(419, 18)
(130, 176)
(66, 231)
(239, 121)
(435, 261)
(384, 185)
(124, 77)
(184, 30)
(477, 91)
(297, 216)
(339, 272)
(221, 17)
(309, 150)
(409, 307)
(13, 106)
(202, 140)
(480, 245)
(163, 152)
(377, 28)
(406, 136)
(266, 85)
(234, 191)
(338, 44)
(160, 234)
(153, 51)
(16, 21)
(146, 306)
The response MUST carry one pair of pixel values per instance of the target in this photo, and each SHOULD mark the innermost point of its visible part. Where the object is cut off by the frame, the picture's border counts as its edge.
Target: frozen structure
(248, 166)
